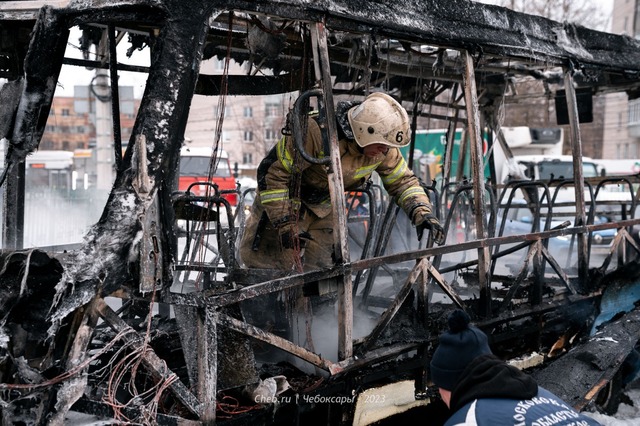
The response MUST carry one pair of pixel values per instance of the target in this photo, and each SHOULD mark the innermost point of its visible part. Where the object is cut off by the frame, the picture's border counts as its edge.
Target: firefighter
(291, 231)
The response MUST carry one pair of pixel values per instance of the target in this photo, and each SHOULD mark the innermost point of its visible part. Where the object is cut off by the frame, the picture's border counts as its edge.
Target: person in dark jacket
(481, 389)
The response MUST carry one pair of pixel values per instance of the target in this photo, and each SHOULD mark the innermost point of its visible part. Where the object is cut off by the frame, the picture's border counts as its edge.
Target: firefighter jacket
(292, 190)
(278, 171)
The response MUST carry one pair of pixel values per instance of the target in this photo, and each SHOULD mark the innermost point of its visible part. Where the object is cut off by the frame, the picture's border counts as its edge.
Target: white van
(542, 167)
(546, 168)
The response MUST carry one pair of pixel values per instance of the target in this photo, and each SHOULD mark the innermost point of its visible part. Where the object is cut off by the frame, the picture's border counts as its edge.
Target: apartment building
(621, 139)
(250, 125)
(72, 119)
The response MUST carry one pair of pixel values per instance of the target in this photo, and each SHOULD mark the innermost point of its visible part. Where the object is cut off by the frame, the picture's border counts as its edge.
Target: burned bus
(148, 323)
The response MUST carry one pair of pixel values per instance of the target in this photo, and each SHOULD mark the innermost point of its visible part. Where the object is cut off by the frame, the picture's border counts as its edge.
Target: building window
(46, 145)
(248, 111)
(65, 112)
(271, 110)
(270, 134)
(66, 145)
(634, 112)
(248, 135)
(247, 158)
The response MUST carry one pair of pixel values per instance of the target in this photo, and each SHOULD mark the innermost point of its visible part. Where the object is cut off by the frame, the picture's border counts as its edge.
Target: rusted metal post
(477, 172)
(336, 190)
(448, 155)
(576, 149)
(115, 95)
(207, 363)
(422, 376)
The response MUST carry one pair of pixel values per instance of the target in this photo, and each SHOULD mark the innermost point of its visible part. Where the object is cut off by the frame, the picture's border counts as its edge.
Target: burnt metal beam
(576, 150)
(451, 136)
(207, 360)
(458, 24)
(336, 192)
(375, 356)
(277, 341)
(211, 85)
(206, 297)
(477, 169)
(520, 312)
(522, 274)
(420, 271)
(444, 286)
(41, 69)
(87, 63)
(488, 242)
(270, 286)
(115, 96)
(622, 235)
(554, 264)
(417, 271)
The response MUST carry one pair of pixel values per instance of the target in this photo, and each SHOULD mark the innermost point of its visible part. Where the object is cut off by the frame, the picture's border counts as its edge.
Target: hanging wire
(200, 228)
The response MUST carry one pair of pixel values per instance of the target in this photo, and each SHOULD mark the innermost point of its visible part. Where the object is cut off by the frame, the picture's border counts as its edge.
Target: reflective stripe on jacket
(282, 164)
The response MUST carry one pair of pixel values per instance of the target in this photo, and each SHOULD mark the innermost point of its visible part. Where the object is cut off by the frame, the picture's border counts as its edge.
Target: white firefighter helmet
(379, 119)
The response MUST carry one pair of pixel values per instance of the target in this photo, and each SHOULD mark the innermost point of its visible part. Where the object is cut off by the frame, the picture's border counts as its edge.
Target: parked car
(520, 221)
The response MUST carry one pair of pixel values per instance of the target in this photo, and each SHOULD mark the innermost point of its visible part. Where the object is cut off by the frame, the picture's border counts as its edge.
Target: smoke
(324, 329)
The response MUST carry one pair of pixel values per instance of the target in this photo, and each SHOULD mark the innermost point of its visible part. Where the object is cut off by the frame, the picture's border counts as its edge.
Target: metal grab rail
(298, 137)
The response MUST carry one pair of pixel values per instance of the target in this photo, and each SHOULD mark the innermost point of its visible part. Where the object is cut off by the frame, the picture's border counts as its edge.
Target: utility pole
(104, 140)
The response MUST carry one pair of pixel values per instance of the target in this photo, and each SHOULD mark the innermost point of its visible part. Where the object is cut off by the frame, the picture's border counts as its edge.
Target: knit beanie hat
(457, 348)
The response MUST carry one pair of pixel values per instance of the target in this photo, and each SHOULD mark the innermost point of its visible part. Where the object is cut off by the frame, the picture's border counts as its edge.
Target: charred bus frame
(419, 50)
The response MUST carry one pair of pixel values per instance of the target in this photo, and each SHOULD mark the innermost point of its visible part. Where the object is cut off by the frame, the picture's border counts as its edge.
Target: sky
(605, 5)
(71, 76)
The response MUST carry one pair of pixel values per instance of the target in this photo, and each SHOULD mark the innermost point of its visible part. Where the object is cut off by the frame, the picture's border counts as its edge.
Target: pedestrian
(290, 226)
(481, 389)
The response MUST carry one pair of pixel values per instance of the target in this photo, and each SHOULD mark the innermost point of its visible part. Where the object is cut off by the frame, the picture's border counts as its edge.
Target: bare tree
(588, 13)
(540, 111)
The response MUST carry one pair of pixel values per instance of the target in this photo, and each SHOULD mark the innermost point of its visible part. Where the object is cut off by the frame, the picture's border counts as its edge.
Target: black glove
(290, 239)
(429, 221)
